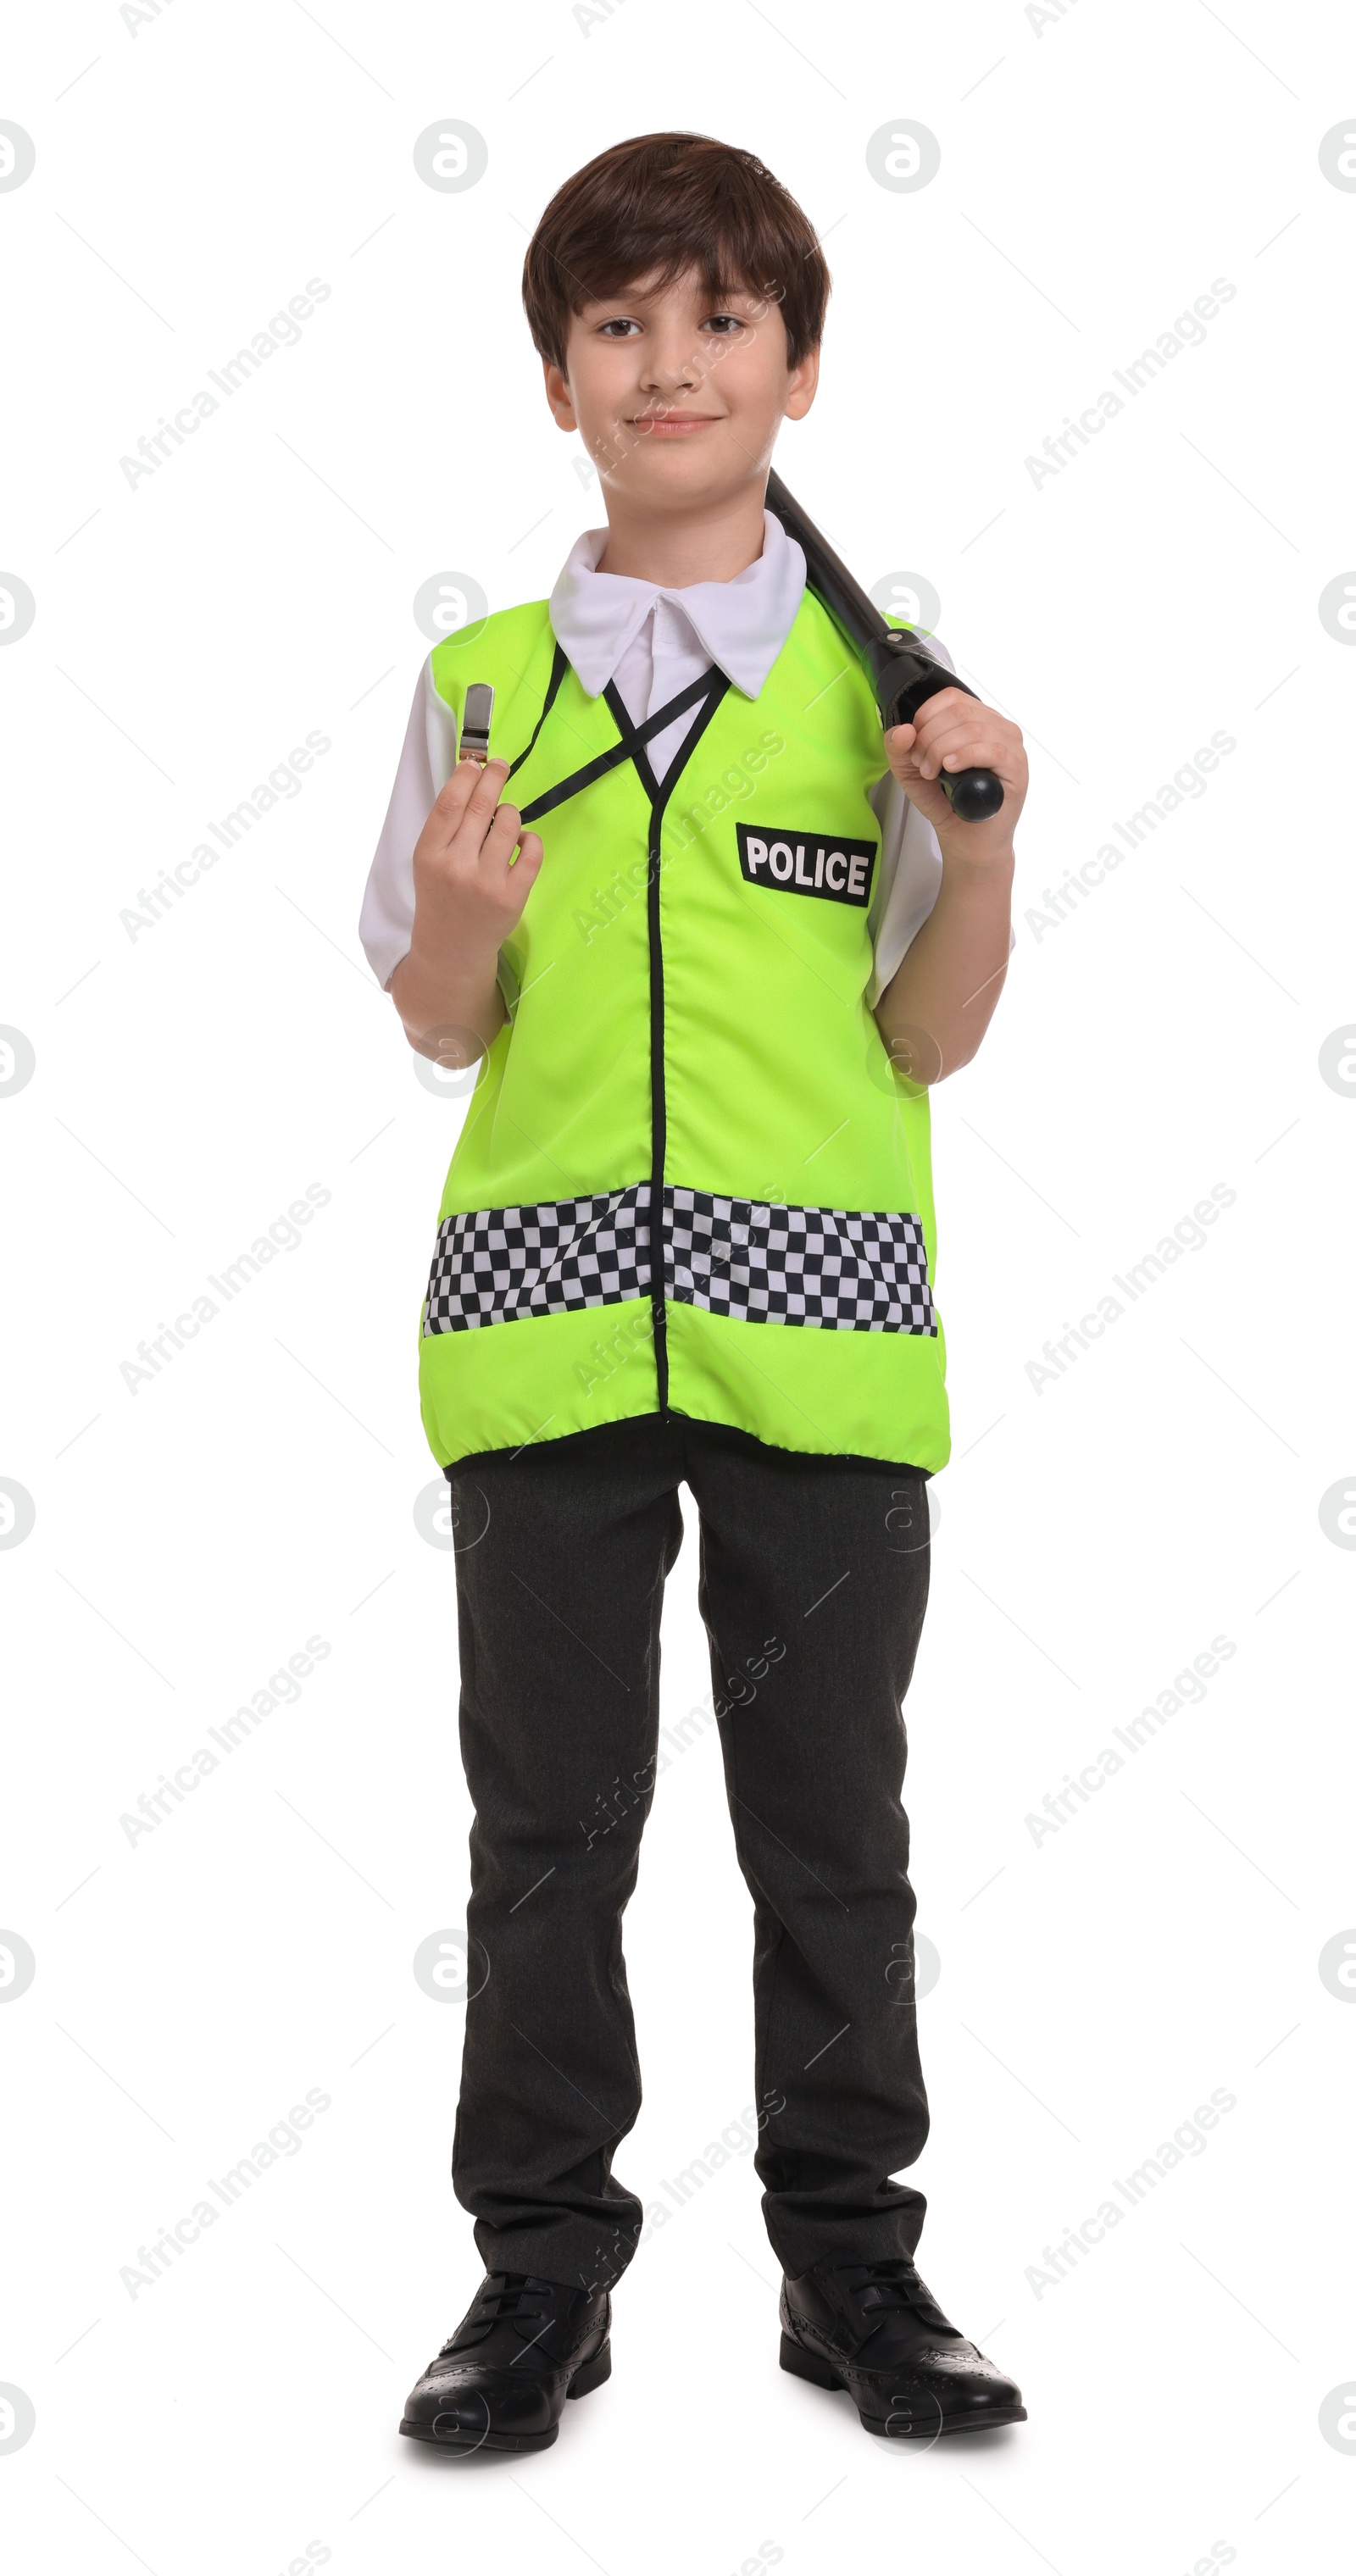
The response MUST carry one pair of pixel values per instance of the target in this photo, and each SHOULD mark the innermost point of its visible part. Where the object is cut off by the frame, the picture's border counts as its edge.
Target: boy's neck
(711, 544)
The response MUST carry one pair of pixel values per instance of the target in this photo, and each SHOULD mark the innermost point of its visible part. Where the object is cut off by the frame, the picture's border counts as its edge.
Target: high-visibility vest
(689, 1180)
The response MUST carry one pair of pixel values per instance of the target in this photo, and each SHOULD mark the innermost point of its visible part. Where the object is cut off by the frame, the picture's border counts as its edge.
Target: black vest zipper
(658, 1115)
(659, 792)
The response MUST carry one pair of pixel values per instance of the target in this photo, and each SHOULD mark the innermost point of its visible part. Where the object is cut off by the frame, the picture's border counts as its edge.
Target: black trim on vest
(638, 1430)
(710, 690)
(559, 667)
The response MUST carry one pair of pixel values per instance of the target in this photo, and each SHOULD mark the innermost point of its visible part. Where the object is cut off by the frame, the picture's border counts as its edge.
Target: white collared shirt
(652, 642)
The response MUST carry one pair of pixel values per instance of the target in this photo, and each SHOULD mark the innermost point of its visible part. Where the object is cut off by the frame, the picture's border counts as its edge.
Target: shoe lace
(881, 2288)
(519, 2296)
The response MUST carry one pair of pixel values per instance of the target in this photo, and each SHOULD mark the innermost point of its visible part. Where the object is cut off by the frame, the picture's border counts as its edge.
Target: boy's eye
(618, 326)
(725, 323)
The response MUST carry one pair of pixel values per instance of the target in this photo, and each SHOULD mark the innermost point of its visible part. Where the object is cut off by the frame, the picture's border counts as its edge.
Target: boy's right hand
(467, 896)
(467, 899)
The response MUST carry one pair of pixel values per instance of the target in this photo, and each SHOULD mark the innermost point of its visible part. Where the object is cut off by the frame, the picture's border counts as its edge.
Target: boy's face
(677, 394)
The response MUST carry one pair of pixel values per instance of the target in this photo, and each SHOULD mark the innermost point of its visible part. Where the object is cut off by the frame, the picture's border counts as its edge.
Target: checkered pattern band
(498, 1265)
(833, 1268)
(797, 1265)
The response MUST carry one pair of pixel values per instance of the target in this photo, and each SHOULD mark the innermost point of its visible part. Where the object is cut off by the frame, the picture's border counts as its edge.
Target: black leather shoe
(501, 2381)
(876, 2330)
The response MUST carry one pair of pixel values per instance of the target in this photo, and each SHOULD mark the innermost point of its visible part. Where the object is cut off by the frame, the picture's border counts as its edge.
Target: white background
(1096, 175)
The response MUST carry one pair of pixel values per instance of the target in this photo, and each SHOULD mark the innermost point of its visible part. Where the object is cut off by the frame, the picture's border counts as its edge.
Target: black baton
(903, 674)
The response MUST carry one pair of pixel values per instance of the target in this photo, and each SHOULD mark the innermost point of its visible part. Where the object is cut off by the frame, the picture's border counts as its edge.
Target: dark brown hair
(664, 203)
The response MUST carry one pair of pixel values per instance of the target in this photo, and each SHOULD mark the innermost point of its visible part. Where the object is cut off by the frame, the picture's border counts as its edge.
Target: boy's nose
(670, 370)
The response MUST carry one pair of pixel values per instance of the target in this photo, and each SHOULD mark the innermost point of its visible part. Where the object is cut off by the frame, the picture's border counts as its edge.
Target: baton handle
(905, 678)
(903, 674)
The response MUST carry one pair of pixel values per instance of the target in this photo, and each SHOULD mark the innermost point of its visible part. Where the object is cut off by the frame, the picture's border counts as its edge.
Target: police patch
(838, 871)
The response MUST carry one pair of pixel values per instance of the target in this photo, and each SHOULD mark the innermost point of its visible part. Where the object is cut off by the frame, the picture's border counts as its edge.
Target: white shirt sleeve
(427, 760)
(910, 870)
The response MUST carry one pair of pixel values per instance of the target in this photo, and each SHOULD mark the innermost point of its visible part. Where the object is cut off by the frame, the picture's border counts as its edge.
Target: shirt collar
(740, 624)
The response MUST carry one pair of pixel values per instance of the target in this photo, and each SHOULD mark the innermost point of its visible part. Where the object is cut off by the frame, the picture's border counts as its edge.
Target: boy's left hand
(953, 732)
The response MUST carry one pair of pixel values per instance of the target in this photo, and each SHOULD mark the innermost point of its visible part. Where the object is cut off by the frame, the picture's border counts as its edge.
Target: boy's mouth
(672, 424)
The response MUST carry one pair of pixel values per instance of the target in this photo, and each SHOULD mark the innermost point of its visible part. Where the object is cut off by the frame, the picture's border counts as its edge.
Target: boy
(688, 1234)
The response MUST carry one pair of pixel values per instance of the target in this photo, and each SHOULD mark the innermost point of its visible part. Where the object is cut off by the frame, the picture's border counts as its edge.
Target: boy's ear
(558, 395)
(802, 385)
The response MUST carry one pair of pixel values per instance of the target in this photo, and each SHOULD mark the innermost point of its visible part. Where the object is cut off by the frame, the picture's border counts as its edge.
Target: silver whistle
(475, 722)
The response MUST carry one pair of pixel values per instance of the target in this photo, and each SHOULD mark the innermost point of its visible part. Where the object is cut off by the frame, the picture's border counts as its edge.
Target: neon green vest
(688, 1179)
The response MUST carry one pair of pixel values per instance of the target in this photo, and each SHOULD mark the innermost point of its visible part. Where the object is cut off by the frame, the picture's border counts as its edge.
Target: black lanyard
(701, 693)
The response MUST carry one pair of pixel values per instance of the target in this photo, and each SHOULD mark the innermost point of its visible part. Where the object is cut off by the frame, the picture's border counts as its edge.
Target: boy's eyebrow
(631, 292)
